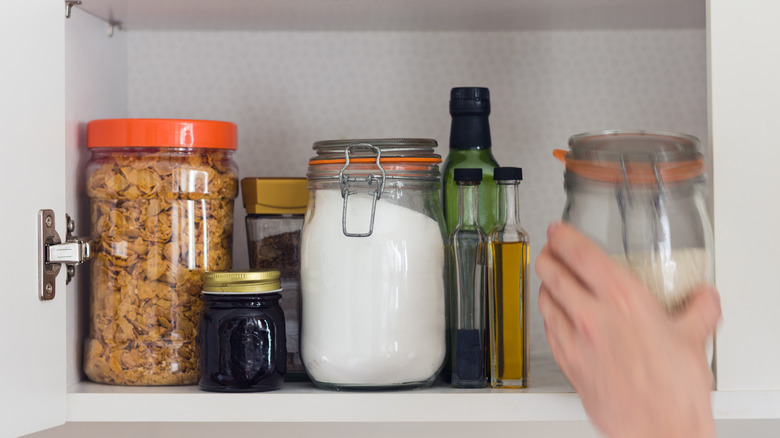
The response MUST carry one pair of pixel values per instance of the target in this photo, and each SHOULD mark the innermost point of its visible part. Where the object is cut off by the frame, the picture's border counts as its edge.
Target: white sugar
(373, 307)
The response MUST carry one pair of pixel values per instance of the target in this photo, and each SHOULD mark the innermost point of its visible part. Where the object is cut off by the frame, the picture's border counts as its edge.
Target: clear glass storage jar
(275, 209)
(241, 339)
(161, 197)
(641, 196)
(372, 265)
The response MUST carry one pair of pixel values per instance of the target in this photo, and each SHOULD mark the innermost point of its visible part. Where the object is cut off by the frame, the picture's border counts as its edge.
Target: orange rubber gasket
(639, 173)
(381, 160)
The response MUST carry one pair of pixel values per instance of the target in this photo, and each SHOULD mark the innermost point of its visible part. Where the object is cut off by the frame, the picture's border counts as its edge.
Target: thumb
(701, 315)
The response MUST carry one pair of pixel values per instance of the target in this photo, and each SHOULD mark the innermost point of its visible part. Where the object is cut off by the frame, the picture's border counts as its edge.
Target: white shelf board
(548, 398)
(399, 15)
(301, 402)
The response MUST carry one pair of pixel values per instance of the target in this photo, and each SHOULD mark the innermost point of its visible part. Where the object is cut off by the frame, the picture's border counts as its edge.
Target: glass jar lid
(636, 157)
(396, 158)
(241, 282)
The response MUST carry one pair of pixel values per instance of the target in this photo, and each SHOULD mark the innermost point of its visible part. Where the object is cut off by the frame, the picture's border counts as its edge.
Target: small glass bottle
(508, 280)
(467, 286)
(470, 147)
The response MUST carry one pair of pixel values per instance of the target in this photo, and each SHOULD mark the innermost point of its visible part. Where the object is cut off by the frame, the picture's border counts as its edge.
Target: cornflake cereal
(160, 219)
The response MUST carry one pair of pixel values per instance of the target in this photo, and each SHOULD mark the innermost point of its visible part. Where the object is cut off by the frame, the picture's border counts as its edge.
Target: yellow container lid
(275, 195)
(237, 282)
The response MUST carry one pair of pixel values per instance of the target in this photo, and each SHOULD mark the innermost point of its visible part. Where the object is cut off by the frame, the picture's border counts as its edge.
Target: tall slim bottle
(470, 147)
(508, 286)
(468, 264)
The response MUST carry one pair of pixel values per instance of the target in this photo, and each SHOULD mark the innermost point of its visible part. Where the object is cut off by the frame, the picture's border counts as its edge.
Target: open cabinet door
(32, 177)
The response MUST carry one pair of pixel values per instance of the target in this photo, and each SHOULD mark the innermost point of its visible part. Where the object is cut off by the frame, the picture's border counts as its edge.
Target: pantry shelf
(384, 15)
(301, 402)
(549, 398)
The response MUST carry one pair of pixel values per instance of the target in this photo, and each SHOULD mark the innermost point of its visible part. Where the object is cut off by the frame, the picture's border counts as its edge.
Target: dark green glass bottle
(470, 147)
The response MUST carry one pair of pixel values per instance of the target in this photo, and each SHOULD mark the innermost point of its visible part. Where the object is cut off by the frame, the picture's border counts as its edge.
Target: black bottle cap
(508, 174)
(469, 100)
(468, 175)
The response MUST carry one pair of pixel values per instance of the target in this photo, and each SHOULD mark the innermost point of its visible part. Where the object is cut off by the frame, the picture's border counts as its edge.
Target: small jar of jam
(241, 337)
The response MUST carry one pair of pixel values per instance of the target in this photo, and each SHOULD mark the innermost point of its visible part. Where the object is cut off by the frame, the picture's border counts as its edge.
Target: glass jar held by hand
(641, 196)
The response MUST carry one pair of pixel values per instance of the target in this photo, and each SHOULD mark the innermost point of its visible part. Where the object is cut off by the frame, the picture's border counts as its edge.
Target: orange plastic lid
(161, 133)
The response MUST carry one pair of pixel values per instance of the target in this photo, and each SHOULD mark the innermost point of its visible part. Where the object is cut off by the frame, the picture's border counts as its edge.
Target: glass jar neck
(468, 204)
(508, 202)
(248, 300)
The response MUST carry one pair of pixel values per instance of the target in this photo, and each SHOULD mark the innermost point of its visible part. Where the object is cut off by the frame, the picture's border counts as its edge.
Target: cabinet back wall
(286, 90)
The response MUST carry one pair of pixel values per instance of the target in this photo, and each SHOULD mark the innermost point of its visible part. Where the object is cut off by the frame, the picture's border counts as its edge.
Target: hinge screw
(48, 221)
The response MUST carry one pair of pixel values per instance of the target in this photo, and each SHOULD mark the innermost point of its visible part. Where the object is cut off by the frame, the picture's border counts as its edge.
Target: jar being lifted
(641, 196)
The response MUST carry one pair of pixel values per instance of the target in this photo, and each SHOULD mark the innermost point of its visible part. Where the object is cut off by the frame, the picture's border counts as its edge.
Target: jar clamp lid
(241, 282)
(634, 157)
(368, 163)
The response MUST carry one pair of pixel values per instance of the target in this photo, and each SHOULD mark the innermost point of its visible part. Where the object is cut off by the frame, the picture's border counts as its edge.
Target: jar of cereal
(161, 197)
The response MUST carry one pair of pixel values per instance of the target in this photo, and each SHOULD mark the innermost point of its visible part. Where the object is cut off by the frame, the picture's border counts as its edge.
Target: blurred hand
(639, 371)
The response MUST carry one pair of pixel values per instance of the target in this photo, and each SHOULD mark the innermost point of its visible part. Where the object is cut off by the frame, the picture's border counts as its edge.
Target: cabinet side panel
(33, 129)
(744, 109)
(96, 78)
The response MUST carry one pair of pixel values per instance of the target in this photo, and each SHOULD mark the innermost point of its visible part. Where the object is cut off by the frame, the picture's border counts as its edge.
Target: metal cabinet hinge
(53, 253)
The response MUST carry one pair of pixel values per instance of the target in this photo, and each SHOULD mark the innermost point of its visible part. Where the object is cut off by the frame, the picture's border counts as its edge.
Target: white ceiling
(399, 15)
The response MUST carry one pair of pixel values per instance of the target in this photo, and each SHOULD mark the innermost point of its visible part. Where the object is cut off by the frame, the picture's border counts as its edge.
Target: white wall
(287, 90)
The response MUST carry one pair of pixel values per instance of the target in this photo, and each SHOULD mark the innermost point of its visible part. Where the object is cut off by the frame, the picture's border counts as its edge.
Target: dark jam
(241, 343)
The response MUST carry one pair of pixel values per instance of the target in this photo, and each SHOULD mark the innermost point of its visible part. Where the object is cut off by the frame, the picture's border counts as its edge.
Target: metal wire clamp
(370, 179)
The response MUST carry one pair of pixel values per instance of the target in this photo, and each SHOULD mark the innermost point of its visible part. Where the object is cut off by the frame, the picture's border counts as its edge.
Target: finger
(564, 288)
(588, 262)
(558, 329)
(701, 314)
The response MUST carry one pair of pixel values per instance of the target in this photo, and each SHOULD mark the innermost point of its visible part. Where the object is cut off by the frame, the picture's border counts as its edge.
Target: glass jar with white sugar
(372, 265)
(641, 195)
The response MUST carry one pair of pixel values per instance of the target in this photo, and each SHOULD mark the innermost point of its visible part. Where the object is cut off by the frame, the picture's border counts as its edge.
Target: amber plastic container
(161, 197)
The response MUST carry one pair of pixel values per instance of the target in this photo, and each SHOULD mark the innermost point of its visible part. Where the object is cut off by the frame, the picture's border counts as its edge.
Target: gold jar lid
(275, 195)
(241, 282)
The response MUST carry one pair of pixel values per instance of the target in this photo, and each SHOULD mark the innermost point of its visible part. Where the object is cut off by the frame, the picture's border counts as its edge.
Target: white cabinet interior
(291, 73)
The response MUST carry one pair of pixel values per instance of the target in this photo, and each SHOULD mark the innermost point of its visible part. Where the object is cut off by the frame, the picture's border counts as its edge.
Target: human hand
(639, 371)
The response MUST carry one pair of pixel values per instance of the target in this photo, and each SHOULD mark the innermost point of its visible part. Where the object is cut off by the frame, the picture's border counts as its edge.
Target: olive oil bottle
(508, 284)
(470, 147)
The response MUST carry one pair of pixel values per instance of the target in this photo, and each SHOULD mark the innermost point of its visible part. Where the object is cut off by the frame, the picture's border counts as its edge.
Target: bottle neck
(470, 131)
(508, 202)
(468, 204)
